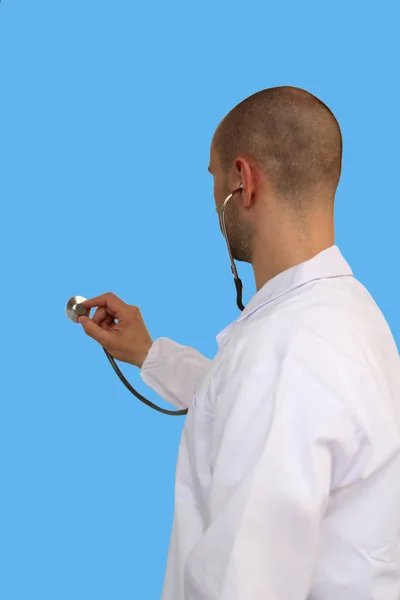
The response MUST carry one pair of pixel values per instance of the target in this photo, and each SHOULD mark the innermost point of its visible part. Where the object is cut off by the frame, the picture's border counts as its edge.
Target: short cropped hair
(291, 134)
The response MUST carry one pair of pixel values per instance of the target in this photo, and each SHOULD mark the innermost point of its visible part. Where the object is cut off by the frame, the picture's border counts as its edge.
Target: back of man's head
(292, 136)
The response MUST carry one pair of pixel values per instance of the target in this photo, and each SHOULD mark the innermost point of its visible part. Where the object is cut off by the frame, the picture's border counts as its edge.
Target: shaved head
(283, 147)
(292, 136)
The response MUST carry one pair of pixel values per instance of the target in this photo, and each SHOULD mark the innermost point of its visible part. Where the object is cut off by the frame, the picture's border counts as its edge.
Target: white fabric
(288, 475)
(173, 370)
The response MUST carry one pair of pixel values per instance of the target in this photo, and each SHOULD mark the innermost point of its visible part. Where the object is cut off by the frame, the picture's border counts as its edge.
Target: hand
(119, 328)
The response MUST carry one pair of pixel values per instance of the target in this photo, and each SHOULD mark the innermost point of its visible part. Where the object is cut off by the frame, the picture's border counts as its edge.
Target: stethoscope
(75, 309)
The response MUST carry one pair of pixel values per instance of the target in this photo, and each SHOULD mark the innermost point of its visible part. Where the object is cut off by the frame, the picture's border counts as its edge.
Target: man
(288, 476)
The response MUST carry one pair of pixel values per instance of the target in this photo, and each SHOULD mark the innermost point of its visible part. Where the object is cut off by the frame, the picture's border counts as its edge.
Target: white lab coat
(288, 475)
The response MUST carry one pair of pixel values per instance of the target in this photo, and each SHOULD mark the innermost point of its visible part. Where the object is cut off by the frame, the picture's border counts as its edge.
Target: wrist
(143, 355)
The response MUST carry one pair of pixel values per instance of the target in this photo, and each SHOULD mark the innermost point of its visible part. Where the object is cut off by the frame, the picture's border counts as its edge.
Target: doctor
(288, 475)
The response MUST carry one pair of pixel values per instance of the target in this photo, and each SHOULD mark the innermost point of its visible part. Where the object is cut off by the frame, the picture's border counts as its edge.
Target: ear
(243, 176)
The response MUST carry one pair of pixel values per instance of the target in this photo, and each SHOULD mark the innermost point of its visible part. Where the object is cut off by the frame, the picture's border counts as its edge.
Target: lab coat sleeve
(173, 371)
(282, 437)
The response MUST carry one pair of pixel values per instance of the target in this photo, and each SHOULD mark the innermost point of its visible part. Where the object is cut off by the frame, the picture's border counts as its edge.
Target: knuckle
(114, 299)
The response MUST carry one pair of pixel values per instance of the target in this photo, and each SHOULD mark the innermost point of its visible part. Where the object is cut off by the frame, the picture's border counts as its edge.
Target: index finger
(109, 301)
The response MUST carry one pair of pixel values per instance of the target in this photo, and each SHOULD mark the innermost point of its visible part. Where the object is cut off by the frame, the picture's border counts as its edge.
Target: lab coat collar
(327, 264)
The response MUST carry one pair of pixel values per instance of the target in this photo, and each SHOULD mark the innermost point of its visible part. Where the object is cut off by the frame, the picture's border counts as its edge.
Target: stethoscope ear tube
(237, 280)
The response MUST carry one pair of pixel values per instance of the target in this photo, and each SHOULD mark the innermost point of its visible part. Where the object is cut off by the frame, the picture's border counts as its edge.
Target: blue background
(107, 112)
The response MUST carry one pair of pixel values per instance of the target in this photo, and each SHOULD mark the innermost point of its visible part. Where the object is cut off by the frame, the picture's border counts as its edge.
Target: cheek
(218, 195)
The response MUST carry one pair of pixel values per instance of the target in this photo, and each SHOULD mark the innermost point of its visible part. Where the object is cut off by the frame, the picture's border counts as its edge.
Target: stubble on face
(239, 232)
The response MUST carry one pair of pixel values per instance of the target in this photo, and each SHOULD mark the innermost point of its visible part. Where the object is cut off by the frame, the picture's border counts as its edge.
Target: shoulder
(331, 332)
(331, 313)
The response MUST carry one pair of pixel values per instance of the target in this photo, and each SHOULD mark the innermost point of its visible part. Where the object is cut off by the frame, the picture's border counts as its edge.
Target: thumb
(94, 331)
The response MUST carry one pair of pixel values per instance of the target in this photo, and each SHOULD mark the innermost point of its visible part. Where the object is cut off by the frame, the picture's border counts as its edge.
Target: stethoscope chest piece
(75, 309)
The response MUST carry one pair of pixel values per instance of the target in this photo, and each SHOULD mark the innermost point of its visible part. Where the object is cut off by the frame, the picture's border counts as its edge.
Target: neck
(284, 248)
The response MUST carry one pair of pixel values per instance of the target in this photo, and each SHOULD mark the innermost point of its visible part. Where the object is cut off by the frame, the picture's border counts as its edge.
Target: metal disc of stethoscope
(75, 309)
